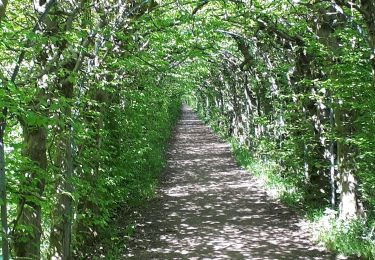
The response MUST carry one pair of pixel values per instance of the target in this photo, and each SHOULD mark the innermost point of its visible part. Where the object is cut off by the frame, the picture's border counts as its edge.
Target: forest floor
(207, 207)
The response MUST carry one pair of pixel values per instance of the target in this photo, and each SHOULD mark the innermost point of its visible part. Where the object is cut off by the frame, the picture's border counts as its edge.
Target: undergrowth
(277, 186)
(355, 238)
(111, 241)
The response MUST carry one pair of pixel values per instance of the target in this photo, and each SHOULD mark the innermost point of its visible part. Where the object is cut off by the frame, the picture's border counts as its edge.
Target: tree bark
(340, 120)
(348, 207)
(29, 211)
(61, 230)
(3, 189)
(3, 192)
(27, 244)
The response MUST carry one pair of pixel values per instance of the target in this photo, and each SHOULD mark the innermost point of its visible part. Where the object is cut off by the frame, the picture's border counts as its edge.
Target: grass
(267, 171)
(354, 238)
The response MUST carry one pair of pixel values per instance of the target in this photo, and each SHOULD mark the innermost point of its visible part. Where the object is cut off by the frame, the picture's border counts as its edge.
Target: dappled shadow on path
(209, 208)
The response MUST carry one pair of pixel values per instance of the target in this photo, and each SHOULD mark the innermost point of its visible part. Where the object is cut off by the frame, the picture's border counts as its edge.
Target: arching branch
(3, 6)
(48, 7)
(199, 6)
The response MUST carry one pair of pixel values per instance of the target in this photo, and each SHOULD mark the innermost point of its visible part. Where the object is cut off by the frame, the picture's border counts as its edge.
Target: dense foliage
(85, 121)
(295, 89)
(89, 91)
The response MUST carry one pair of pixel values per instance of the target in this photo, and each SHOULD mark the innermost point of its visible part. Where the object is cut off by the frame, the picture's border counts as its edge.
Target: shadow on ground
(209, 208)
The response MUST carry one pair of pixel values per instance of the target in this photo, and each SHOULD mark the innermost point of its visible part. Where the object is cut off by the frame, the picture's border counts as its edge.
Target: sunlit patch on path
(209, 208)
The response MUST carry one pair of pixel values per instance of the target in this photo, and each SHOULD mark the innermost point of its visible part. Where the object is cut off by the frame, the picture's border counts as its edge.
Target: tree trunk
(60, 238)
(3, 190)
(347, 183)
(332, 160)
(29, 210)
(27, 243)
(61, 230)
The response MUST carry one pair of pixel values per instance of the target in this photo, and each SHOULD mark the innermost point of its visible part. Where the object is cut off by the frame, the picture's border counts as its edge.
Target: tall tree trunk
(60, 237)
(3, 189)
(250, 107)
(61, 230)
(29, 211)
(27, 243)
(347, 183)
(332, 159)
(3, 192)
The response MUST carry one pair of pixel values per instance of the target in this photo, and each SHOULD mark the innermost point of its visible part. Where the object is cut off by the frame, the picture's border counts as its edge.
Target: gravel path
(209, 208)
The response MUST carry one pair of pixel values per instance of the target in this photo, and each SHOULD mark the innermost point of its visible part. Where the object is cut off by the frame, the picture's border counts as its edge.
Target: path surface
(209, 208)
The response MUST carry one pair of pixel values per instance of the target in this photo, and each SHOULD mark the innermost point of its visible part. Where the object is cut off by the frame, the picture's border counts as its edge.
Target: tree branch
(199, 6)
(29, 43)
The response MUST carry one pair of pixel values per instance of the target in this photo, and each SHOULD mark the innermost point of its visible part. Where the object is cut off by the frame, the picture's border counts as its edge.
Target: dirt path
(209, 208)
